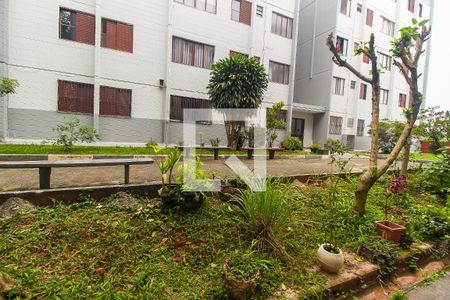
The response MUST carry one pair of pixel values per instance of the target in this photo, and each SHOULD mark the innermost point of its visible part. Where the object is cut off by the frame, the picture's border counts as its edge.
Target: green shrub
(384, 253)
(215, 142)
(437, 176)
(265, 215)
(151, 143)
(315, 147)
(72, 132)
(292, 143)
(430, 223)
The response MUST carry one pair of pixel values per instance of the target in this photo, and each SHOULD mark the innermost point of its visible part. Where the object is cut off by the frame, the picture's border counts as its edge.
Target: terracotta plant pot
(240, 289)
(390, 231)
(330, 262)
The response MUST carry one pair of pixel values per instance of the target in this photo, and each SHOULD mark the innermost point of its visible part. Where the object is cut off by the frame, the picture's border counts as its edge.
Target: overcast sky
(439, 76)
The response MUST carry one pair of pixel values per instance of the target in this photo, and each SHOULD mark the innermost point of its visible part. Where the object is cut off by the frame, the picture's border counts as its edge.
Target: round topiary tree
(237, 82)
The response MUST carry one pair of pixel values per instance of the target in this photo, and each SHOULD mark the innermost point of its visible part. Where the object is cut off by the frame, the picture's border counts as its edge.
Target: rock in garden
(14, 205)
(123, 200)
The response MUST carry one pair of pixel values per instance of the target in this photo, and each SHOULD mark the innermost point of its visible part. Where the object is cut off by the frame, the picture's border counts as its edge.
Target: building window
(346, 7)
(339, 86)
(369, 17)
(241, 11)
(366, 59)
(192, 53)
(359, 8)
(350, 122)
(352, 84)
(236, 53)
(178, 104)
(411, 5)
(387, 27)
(76, 26)
(341, 45)
(206, 5)
(360, 128)
(385, 61)
(259, 10)
(115, 102)
(278, 73)
(363, 91)
(282, 25)
(117, 35)
(420, 10)
(335, 125)
(75, 97)
(402, 100)
(384, 96)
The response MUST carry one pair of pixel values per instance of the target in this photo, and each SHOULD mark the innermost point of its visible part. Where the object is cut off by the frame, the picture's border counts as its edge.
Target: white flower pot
(330, 262)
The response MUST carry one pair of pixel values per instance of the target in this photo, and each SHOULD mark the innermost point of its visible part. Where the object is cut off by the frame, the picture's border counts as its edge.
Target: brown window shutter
(412, 4)
(366, 58)
(115, 102)
(85, 28)
(125, 37)
(246, 12)
(362, 91)
(75, 97)
(369, 18)
(111, 34)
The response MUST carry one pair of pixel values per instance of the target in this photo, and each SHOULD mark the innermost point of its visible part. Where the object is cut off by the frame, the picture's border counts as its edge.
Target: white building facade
(347, 100)
(129, 68)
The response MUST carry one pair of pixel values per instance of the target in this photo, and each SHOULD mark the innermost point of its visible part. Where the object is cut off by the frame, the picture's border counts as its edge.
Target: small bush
(315, 147)
(292, 143)
(437, 176)
(151, 143)
(73, 132)
(265, 215)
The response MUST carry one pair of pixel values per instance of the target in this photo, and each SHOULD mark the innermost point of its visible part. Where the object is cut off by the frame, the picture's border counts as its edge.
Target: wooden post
(127, 174)
(216, 153)
(44, 177)
(271, 153)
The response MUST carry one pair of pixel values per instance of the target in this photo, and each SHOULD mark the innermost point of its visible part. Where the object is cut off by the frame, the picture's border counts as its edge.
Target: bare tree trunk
(233, 130)
(405, 160)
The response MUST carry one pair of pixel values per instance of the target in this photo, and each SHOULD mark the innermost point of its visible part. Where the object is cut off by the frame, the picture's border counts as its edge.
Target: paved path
(438, 290)
(25, 179)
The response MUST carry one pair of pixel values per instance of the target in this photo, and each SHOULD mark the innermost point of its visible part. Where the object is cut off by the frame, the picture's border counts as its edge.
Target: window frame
(403, 98)
(360, 128)
(391, 31)
(283, 78)
(173, 117)
(335, 126)
(344, 50)
(347, 7)
(193, 46)
(60, 108)
(117, 115)
(183, 2)
(338, 89)
(384, 96)
(76, 38)
(385, 58)
(363, 95)
(369, 17)
(283, 31)
(104, 40)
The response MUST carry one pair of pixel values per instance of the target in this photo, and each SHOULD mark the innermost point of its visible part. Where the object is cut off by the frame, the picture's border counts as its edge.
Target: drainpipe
(290, 104)
(428, 57)
(166, 94)
(6, 62)
(97, 64)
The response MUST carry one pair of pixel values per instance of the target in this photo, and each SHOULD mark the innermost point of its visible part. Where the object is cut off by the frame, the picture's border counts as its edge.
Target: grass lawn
(114, 150)
(425, 156)
(89, 250)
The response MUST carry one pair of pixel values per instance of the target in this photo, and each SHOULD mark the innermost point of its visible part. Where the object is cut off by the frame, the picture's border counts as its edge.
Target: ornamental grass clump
(265, 215)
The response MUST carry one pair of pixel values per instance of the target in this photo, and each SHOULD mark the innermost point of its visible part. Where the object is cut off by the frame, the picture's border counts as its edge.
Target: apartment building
(128, 68)
(347, 100)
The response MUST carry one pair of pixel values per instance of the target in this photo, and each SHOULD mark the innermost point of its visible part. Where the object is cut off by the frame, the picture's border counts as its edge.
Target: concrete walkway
(26, 179)
(438, 290)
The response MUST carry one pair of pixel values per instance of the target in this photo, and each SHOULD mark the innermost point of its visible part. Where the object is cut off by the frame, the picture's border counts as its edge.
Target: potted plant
(329, 255)
(315, 148)
(215, 142)
(192, 196)
(242, 275)
(388, 229)
(169, 193)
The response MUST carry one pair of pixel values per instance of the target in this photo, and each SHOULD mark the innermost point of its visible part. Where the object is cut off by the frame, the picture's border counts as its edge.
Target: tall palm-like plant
(237, 82)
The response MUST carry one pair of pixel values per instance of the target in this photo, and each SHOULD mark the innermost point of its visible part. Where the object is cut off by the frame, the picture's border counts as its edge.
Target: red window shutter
(246, 12)
(111, 34)
(75, 97)
(412, 4)
(115, 102)
(125, 37)
(366, 58)
(362, 91)
(369, 18)
(85, 28)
